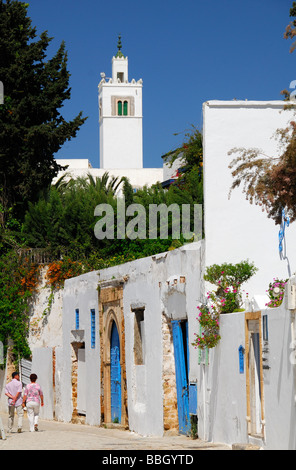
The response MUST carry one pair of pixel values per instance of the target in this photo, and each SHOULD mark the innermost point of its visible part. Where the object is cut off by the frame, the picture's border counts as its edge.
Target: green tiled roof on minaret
(119, 46)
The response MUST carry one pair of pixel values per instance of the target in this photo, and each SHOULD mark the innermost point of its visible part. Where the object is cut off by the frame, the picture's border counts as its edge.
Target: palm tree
(109, 187)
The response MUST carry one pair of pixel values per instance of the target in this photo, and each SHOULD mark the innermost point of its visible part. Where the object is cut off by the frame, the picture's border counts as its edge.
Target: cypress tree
(32, 129)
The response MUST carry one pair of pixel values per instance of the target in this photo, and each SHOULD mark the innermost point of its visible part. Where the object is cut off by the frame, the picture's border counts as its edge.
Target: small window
(125, 108)
(93, 328)
(119, 108)
(139, 337)
(120, 76)
(77, 318)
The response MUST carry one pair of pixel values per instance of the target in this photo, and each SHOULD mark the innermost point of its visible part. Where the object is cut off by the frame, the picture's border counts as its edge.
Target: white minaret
(120, 117)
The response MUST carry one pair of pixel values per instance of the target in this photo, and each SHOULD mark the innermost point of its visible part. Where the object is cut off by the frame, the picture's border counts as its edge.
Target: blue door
(115, 376)
(180, 339)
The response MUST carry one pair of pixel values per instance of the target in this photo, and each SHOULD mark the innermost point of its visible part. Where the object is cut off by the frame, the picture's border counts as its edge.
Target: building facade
(120, 325)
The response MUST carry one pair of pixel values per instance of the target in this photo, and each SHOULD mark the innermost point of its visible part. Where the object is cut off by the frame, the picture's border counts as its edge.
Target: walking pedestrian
(33, 395)
(13, 391)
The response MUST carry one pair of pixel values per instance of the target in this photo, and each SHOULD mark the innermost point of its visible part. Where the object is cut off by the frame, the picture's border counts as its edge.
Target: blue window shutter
(241, 352)
(77, 318)
(93, 328)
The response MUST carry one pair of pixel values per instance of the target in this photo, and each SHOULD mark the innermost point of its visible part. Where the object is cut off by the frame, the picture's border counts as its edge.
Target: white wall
(79, 292)
(234, 229)
(138, 177)
(147, 283)
(222, 399)
(42, 366)
(121, 142)
(121, 137)
(222, 389)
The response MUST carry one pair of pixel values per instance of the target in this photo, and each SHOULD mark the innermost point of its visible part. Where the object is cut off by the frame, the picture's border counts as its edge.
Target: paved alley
(53, 435)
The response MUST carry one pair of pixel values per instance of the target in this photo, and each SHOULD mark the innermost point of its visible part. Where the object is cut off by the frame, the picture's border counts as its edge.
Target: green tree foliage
(227, 274)
(62, 220)
(191, 171)
(32, 128)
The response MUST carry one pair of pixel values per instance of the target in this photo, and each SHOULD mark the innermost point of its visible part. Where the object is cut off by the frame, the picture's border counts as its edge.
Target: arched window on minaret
(125, 108)
(119, 108)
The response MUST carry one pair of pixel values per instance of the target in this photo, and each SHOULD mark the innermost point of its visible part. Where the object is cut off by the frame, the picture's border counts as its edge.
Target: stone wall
(46, 311)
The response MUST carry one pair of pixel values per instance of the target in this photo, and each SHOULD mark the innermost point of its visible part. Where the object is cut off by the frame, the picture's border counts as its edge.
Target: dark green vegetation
(32, 128)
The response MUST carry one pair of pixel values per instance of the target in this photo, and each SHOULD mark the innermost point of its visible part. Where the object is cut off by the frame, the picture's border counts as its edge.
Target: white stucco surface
(149, 284)
(222, 392)
(138, 177)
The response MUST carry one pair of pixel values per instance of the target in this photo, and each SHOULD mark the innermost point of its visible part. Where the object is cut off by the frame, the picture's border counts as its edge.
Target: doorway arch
(114, 402)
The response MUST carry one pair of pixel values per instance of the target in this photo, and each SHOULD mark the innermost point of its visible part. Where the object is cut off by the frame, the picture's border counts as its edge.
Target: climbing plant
(18, 283)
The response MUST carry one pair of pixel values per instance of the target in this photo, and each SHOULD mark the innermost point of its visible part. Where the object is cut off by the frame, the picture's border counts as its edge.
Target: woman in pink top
(33, 395)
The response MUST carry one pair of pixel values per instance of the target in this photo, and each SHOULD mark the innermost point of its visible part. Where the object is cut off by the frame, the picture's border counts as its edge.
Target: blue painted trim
(241, 353)
(93, 328)
(77, 318)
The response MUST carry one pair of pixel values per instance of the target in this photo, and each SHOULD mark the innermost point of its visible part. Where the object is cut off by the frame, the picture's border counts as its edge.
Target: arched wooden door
(115, 375)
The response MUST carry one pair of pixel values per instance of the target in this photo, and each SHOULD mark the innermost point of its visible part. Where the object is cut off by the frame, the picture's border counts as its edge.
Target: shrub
(225, 299)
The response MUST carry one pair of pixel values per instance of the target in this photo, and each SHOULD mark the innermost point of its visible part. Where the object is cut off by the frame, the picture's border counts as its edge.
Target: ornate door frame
(111, 310)
(254, 373)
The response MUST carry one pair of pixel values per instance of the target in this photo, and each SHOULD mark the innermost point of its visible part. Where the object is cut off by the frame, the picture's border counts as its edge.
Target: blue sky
(186, 52)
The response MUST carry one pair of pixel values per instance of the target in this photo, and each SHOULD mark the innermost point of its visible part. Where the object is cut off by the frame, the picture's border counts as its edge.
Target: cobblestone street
(53, 435)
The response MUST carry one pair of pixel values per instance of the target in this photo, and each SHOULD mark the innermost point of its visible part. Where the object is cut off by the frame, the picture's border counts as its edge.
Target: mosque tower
(120, 117)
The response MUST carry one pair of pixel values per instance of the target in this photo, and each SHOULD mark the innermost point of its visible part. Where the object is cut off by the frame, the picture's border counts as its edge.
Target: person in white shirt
(13, 391)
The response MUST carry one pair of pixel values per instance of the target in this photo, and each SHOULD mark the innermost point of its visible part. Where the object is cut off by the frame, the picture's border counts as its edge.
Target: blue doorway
(115, 375)
(181, 353)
